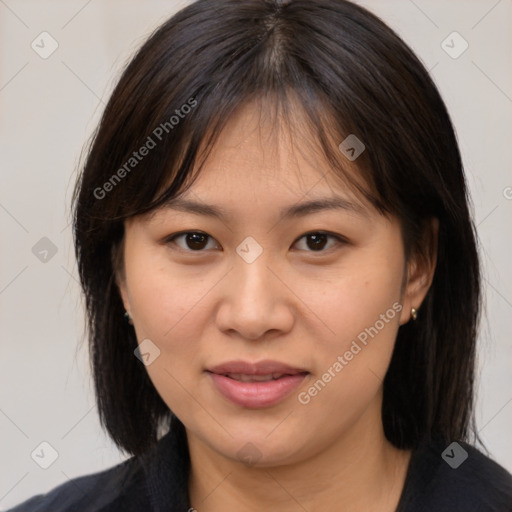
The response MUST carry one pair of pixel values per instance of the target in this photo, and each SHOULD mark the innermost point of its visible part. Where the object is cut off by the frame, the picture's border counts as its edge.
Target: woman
(280, 272)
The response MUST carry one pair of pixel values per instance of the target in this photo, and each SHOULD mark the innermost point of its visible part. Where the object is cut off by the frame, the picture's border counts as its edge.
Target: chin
(259, 451)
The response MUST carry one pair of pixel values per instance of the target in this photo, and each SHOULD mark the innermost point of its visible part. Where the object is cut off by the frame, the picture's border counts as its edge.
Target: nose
(255, 301)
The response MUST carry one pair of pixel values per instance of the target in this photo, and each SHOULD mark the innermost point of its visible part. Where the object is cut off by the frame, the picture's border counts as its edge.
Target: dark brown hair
(350, 74)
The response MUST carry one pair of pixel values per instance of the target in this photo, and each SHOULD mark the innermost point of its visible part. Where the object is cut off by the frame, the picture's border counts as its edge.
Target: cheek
(164, 300)
(349, 372)
(359, 307)
(170, 310)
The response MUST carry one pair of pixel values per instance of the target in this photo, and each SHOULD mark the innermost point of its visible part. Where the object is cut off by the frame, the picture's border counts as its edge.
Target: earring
(414, 313)
(128, 318)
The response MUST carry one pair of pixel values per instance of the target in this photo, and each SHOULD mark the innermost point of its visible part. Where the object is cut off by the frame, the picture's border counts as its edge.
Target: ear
(420, 271)
(119, 274)
(121, 284)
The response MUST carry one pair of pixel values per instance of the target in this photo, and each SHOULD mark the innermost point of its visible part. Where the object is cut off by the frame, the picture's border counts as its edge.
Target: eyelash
(339, 239)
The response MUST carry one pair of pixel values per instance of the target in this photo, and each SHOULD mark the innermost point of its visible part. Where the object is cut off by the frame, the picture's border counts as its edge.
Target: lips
(242, 377)
(256, 385)
(267, 368)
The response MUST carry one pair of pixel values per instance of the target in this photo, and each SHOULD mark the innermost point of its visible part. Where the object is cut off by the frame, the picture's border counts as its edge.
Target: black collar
(167, 467)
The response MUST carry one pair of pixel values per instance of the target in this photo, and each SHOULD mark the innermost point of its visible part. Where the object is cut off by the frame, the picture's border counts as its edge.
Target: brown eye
(194, 241)
(318, 240)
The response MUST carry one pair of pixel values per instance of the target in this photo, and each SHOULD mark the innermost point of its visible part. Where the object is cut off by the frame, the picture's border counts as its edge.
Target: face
(321, 290)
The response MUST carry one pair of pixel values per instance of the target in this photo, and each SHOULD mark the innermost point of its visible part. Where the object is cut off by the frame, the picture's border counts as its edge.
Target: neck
(361, 470)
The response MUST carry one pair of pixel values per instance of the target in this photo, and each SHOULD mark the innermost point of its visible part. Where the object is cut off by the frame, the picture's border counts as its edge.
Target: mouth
(242, 377)
(266, 368)
(256, 385)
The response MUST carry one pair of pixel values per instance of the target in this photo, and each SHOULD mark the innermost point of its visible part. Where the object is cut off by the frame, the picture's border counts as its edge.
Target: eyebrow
(294, 211)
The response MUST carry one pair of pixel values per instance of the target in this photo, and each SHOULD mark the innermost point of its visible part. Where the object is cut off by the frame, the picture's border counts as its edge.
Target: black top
(457, 478)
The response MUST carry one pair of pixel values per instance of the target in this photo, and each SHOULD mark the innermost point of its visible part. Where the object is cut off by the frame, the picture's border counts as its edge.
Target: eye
(197, 241)
(192, 241)
(316, 241)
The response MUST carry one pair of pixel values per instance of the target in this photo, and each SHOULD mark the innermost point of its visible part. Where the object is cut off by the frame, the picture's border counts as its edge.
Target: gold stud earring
(414, 313)
(128, 318)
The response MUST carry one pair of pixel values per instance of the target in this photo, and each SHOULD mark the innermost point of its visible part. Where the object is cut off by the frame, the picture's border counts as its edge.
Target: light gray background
(49, 108)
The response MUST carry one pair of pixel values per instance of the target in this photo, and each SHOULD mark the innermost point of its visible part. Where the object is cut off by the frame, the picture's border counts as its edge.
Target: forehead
(261, 153)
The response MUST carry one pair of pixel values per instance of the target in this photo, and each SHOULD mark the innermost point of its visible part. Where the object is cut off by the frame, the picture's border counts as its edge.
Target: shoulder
(154, 480)
(456, 477)
(120, 488)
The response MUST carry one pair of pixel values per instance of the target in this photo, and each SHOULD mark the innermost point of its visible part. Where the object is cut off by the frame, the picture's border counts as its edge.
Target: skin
(292, 304)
